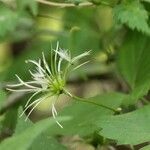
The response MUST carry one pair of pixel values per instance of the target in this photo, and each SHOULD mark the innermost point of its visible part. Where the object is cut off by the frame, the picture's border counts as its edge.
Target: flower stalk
(87, 101)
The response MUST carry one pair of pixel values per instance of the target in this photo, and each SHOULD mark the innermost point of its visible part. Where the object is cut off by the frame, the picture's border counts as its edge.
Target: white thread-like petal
(81, 56)
(42, 99)
(54, 114)
(22, 90)
(80, 65)
(27, 85)
(59, 65)
(45, 64)
(29, 106)
(32, 97)
(37, 64)
(33, 109)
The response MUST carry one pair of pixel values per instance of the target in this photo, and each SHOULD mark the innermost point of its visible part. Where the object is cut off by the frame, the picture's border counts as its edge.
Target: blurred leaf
(134, 64)
(84, 115)
(34, 51)
(131, 128)
(133, 14)
(9, 122)
(25, 27)
(79, 40)
(10, 118)
(146, 147)
(146, 1)
(8, 20)
(5, 56)
(24, 140)
(82, 33)
(32, 4)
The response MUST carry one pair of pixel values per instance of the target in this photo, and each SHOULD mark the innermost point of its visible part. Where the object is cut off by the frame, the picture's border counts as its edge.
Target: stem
(56, 4)
(91, 102)
(84, 100)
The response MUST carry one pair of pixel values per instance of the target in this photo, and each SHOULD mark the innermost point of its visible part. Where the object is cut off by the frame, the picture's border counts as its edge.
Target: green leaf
(22, 124)
(40, 141)
(131, 128)
(46, 142)
(133, 14)
(146, 147)
(9, 122)
(84, 115)
(8, 20)
(134, 64)
(9, 118)
(24, 140)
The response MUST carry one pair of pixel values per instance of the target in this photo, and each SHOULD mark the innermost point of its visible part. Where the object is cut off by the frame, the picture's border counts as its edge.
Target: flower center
(57, 86)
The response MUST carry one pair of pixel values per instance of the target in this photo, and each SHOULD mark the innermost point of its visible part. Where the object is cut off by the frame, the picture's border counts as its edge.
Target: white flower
(47, 79)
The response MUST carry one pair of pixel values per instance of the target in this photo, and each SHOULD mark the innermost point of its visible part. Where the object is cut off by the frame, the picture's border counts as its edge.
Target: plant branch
(55, 4)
